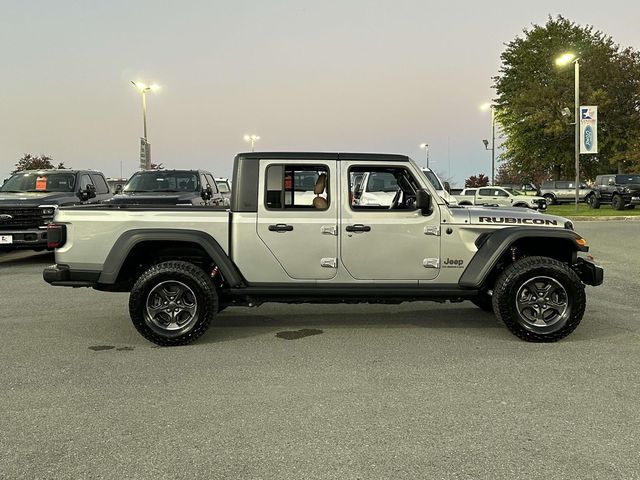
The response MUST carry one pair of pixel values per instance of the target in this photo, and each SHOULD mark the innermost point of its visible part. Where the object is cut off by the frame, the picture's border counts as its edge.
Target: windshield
(163, 182)
(45, 182)
(627, 179)
(223, 186)
(433, 179)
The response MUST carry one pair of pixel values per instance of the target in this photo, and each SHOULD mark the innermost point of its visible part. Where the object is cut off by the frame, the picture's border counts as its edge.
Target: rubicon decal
(522, 221)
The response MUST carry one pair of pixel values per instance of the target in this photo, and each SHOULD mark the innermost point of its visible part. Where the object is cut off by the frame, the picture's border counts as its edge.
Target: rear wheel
(551, 199)
(617, 202)
(593, 201)
(173, 303)
(539, 299)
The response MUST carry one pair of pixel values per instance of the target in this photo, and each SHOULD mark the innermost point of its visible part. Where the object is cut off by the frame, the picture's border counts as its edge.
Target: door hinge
(329, 230)
(432, 230)
(328, 263)
(431, 263)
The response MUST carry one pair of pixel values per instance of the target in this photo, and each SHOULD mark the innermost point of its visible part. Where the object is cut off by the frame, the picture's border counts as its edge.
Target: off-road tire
(593, 201)
(513, 280)
(551, 199)
(483, 301)
(617, 202)
(201, 289)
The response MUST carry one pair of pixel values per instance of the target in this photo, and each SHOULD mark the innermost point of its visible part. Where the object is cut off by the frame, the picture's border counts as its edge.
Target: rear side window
(485, 192)
(297, 186)
(563, 184)
(101, 185)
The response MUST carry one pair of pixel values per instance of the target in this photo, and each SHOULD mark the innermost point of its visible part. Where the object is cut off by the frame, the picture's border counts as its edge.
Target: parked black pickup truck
(170, 187)
(29, 199)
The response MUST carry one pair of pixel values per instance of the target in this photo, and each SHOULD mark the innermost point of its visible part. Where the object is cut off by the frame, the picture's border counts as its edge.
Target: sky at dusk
(322, 76)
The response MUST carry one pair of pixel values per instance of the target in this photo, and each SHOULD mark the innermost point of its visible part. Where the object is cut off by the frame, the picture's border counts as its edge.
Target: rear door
(393, 241)
(298, 217)
(492, 196)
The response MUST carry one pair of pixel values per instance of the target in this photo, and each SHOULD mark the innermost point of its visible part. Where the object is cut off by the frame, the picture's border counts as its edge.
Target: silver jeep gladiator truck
(295, 233)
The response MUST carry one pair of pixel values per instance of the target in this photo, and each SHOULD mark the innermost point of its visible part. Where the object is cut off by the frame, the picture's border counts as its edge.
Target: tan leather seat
(321, 184)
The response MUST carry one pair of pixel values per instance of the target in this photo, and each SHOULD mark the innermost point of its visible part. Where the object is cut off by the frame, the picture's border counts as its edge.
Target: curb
(620, 218)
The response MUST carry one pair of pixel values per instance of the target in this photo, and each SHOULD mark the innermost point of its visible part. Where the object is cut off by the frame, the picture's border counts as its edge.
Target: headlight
(48, 211)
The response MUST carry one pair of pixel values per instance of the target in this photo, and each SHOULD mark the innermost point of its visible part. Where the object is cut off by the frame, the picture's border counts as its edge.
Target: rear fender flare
(128, 240)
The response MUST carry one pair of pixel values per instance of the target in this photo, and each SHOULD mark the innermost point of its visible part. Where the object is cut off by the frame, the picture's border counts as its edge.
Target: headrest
(320, 184)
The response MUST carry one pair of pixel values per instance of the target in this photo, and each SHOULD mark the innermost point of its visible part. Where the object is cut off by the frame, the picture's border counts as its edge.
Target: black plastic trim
(63, 276)
(497, 243)
(350, 290)
(123, 246)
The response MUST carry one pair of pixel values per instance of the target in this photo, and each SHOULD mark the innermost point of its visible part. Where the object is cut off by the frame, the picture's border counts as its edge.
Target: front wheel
(593, 202)
(173, 303)
(551, 200)
(539, 299)
(617, 202)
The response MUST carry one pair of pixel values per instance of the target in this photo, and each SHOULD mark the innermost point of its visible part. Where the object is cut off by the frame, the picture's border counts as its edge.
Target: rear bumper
(62, 276)
(589, 272)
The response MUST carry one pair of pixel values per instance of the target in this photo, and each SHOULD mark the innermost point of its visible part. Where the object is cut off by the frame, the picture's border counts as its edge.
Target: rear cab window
(297, 187)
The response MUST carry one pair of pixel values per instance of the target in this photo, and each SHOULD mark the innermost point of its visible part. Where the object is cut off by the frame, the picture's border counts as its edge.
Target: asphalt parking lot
(411, 391)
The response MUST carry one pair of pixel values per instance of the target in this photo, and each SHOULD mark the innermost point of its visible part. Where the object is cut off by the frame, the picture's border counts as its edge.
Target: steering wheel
(396, 200)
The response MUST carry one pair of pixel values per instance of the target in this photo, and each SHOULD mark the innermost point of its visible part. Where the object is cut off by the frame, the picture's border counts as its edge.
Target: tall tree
(35, 162)
(532, 93)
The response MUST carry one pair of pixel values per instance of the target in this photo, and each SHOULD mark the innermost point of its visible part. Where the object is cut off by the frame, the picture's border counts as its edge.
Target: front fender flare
(497, 243)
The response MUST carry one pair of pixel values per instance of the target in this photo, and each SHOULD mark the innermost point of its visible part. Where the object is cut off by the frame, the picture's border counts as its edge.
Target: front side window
(382, 188)
(85, 181)
(297, 186)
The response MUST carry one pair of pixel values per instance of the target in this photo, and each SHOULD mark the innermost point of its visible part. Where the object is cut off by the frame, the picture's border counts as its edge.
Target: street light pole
(577, 128)
(144, 89)
(493, 144)
(426, 152)
(492, 107)
(564, 60)
(252, 139)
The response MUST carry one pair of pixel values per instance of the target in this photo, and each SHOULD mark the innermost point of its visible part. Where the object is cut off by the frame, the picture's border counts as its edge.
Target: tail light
(56, 235)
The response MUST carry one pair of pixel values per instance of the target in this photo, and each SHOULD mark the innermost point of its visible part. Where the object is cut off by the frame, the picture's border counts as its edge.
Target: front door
(298, 217)
(388, 240)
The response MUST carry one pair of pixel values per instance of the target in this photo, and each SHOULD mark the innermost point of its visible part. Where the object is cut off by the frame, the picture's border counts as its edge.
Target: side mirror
(118, 188)
(447, 187)
(206, 193)
(611, 182)
(88, 193)
(423, 202)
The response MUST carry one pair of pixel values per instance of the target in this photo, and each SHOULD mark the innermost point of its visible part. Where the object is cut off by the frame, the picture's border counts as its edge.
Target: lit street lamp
(485, 107)
(562, 60)
(426, 152)
(252, 139)
(145, 148)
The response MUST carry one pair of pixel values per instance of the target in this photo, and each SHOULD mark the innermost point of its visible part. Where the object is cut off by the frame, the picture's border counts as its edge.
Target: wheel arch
(146, 246)
(496, 249)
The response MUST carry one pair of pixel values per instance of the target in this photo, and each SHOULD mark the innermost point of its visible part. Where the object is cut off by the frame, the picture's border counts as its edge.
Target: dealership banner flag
(589, 129)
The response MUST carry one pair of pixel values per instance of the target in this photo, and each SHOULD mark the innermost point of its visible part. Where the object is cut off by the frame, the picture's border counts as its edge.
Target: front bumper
(63, 276)
(589, 272)
(27, 238)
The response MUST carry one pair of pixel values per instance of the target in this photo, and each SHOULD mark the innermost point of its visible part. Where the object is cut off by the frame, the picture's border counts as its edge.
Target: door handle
(280, 227)
(358, 228)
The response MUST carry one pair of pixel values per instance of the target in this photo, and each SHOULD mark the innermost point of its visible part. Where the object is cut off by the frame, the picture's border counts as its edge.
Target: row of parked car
(28, 199)
(618, 190)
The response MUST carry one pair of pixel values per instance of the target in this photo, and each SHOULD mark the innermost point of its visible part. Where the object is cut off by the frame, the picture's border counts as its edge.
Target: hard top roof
(377, 157)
